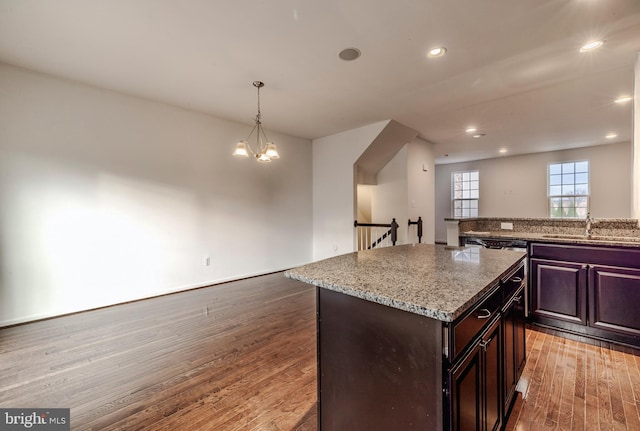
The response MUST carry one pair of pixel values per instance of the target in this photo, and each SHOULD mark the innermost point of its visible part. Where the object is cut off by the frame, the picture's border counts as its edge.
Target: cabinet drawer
(512, 282)
(599, 255)
(472, 323)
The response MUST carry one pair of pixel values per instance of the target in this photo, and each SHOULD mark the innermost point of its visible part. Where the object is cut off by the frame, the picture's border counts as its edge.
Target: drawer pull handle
(485, 344)
(517, 299)
(516, 279)
(483, 313)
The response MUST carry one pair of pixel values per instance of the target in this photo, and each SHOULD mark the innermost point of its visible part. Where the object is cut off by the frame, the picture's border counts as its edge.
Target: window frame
(579, 211)
(469, 200)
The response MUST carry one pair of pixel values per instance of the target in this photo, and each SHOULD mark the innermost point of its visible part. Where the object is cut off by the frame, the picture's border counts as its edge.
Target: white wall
(334, 189)
(106, 198)
(517, 186)
(421, 186)
(390, 194)
(405, 190)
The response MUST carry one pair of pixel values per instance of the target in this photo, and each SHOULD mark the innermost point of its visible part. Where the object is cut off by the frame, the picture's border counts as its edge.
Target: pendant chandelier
(265, 151)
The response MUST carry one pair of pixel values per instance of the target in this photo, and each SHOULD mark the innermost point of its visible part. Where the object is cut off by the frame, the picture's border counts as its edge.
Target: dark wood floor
(572, 385)
(242, 356)
(237, 356)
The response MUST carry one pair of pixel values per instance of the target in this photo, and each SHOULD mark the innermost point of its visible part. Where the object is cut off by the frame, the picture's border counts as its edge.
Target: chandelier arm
(249, 139)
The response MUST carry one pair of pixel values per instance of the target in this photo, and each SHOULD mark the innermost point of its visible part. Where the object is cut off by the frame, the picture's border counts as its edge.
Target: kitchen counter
(429, 280)
(400, 328)
(607, 232)
(557, 238)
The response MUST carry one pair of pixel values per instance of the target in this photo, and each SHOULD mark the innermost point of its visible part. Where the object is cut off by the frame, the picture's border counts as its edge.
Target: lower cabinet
(587, 290)
(514, 326)
(474, 385)
(487, 358)
(615, 299)
(559, 290)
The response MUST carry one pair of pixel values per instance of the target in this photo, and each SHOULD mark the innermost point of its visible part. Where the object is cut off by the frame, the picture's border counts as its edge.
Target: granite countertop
(559, 238)
(604, 231)
(431, 280)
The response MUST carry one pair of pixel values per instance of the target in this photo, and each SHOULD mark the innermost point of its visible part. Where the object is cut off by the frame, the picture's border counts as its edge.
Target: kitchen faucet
(588, 221)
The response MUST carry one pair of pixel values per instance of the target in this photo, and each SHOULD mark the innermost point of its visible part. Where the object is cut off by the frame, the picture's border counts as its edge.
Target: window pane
(465, 176)
(474, 194)
(555, 180)
(582, 167)
(582, 189)
(568, 178)
(465, 194)
(457, 177)
(457, 204)
(474, 185)
(474, 176)
(567, 168)
(473, 212)
(582, 178)
(555, 169)
(457, 194)
(567, 190)
(555, 190)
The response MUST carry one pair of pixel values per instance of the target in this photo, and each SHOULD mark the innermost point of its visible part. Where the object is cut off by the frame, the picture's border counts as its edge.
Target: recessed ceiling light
(502, 150)
(611, 135)
(478, 135)
(437, 52)
(592, 45)
(471, 129)
(623, 99)
(349, 54)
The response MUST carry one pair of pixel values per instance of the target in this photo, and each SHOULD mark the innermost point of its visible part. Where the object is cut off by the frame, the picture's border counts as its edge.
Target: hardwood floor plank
(242, 357)
(239, 355)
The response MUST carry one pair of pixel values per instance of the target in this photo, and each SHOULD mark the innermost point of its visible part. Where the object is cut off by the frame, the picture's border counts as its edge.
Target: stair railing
(376, 235)
(418, 224)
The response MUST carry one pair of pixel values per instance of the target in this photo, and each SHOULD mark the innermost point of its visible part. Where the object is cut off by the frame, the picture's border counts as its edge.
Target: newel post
(394, 231)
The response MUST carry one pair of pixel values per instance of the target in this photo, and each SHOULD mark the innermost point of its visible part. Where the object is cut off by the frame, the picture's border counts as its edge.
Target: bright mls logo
(35, 419)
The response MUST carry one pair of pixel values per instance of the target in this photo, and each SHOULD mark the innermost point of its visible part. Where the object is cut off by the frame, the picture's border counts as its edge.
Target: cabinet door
(520, 322)
(475, 385)
(492, 377)
(465, 391)
(558, 290)
(514, 345)
(614, 299)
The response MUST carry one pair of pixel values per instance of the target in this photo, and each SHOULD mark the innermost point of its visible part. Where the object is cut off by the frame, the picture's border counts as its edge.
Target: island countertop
(430, 280)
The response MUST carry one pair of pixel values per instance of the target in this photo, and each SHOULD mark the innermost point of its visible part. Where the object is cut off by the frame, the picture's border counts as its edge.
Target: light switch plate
(506, 226)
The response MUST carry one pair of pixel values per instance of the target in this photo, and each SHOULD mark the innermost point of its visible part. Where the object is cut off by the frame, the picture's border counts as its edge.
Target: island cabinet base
(379, 368)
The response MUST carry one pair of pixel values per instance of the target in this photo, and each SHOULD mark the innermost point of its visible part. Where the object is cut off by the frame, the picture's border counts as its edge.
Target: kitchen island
(417, 337)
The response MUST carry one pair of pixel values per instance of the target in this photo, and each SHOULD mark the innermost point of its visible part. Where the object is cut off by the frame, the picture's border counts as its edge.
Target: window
(466, 190)
(569, 189)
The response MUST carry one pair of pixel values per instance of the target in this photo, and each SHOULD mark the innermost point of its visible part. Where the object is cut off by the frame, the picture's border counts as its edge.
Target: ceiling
(512, 68)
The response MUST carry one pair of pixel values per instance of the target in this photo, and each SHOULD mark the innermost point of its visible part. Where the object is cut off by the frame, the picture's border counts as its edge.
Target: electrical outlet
(506, 226)
(207, 261)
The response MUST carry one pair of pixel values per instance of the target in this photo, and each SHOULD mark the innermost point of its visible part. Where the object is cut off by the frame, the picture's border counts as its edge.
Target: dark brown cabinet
(475, 392)
(615, 299)
(513, 321)
(587, 290)
(381, 368)
(559, 290)
(487, 357)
